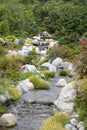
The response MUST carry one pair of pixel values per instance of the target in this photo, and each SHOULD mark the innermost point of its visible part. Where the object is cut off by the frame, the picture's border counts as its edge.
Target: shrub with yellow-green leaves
(14, 93)
(39, 83)
(48, 74)
(56, 122)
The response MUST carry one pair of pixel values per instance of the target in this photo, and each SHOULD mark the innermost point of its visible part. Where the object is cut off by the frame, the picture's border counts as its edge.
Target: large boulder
(57, 62)
(65, 101)
(61, 83)
(29, 68)
(8, 120)
(25, 86)
(49, 66)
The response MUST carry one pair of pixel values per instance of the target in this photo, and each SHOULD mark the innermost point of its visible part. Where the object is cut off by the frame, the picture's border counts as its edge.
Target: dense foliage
(66, 19)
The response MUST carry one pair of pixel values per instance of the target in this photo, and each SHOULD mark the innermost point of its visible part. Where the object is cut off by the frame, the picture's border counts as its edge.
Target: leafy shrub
(14, 93)
(2, 51)
(55, 122)
(2, 108)
(48, 74)
(10, 66)
(29, 59)
(53, 53)
(63, 73)
(81, 102)
(5, 84)
(39, 83)
(25, 75)
(82, 64)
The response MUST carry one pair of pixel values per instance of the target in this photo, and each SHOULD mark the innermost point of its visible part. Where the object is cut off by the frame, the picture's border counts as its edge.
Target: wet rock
(61, 83)
(74, 122)
(8, 120)
(57, 62)
(25, 86)
(65, 101)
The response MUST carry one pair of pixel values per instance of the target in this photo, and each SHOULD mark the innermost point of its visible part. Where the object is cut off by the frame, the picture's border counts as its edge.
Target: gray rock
(17, 41)
(8, 120)
(68, 126)
(29, 68)
(25, 86)
(61, 83)
(49, 66)
(80, 124)
(74, 122)
(82, 128)
(65, 101)
(57, 62)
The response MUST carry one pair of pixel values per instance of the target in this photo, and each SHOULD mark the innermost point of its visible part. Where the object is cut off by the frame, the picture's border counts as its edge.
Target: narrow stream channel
(31, 115)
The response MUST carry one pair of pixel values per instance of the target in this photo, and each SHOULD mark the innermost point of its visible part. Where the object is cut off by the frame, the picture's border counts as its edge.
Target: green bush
(5, 84)
(29, 59)
(81, 102)
(10, 66)
(63, 73)
(48, 74)
(53, 53)
(2, 108)
(14, 93)
(2, 51)
(39, 83)
(25, 75)
(56, 122)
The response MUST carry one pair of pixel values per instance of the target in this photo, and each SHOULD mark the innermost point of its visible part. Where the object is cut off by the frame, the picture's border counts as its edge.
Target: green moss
(63, 73)
(39, 83)
(55, 122)
(14, 93)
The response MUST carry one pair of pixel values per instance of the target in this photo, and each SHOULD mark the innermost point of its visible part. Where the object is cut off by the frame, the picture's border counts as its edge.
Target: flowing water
(34, 107)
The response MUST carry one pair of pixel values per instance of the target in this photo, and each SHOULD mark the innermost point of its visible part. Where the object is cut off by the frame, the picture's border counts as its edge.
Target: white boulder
(65, 101)
(29, 68)
(25, 86)
(8, 120)
(49, 66)
(61, 83)
(74, 122)
(57, 62)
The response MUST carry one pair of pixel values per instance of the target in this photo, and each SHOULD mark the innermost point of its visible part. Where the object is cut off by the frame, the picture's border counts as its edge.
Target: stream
(34, 107)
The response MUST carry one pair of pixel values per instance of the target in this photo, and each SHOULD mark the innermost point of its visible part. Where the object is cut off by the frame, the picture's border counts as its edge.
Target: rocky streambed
(34, 107)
